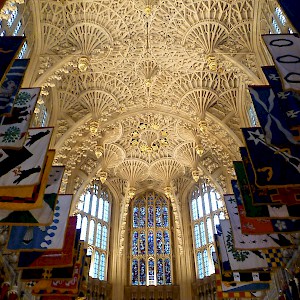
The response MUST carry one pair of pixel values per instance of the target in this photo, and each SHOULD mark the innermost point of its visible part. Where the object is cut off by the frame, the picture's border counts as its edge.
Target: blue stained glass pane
(95, 269)
(150, 243)
(150, 216)
(135, 217)
(151, 271)
(197, 236)
(159, 243)
(102, 267)
(168, 271)
(135, 272)
(104, 238)
(205, 259)
(167, 242)
(135, 238)
(194, 210)
(222, 215)
(160, 272)
(200, 265)
(202, 233)
(158, 216)
(142, 242)
(142, 272)
(98, 235)
(165, 217)
(214, 201)
(142, 217)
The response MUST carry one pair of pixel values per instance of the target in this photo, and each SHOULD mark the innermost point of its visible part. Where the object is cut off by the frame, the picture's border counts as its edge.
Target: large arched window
(207, 209)
(94, 220)
(151, 250)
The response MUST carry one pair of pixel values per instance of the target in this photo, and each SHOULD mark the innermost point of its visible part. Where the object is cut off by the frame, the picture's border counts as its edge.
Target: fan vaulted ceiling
(145, 82)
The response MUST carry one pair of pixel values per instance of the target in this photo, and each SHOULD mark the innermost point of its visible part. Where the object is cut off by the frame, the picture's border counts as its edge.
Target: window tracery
(206, 211)
(94, 220)
(151, 250)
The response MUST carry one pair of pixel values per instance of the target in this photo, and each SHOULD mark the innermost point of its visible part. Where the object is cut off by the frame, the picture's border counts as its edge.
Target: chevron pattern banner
(252, 242)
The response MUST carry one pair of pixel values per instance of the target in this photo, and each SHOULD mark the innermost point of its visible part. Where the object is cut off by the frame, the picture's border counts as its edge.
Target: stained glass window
(200, 265)
(206, 206)
(93, 219)
(206, 265)
(151, 240)
(280, 15)
(95, 268)
(142, 272)
(135, 272)
(216, 222)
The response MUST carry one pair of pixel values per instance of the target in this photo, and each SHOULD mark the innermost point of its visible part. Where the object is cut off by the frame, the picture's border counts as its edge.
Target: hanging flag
(52, 258)
(13, 129)
(238, 259)
(11, 86)
(289, 101)
(272, 117)
(238, 290)
(11, 204)
(40, 216)
(40, 238)
(254, 225)
(291, 9)
(246, 241)
(10, 46)
(230, 276)
(21, 170)
(285, 49)
(85, 277)
(64, 287)
(273, 166)
(267, 196)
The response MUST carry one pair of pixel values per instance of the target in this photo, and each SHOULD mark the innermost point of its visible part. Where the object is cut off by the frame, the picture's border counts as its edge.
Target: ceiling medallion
(149, 138)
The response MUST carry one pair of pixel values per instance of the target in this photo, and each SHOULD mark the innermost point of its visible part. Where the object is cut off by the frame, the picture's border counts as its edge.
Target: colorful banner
(238, 290)
(273, 166)
(238, 259)
(40, 238)
(289, 101)
(10, 46)
(65, 286)
(235, 276)
(11, 86)
(10, 205)
(22, 169)
(13, 129)
(275, 196)
(284, 49)
(40, 216)
(254, 225)
(252, 242)
(272, 116)
(52, 258)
